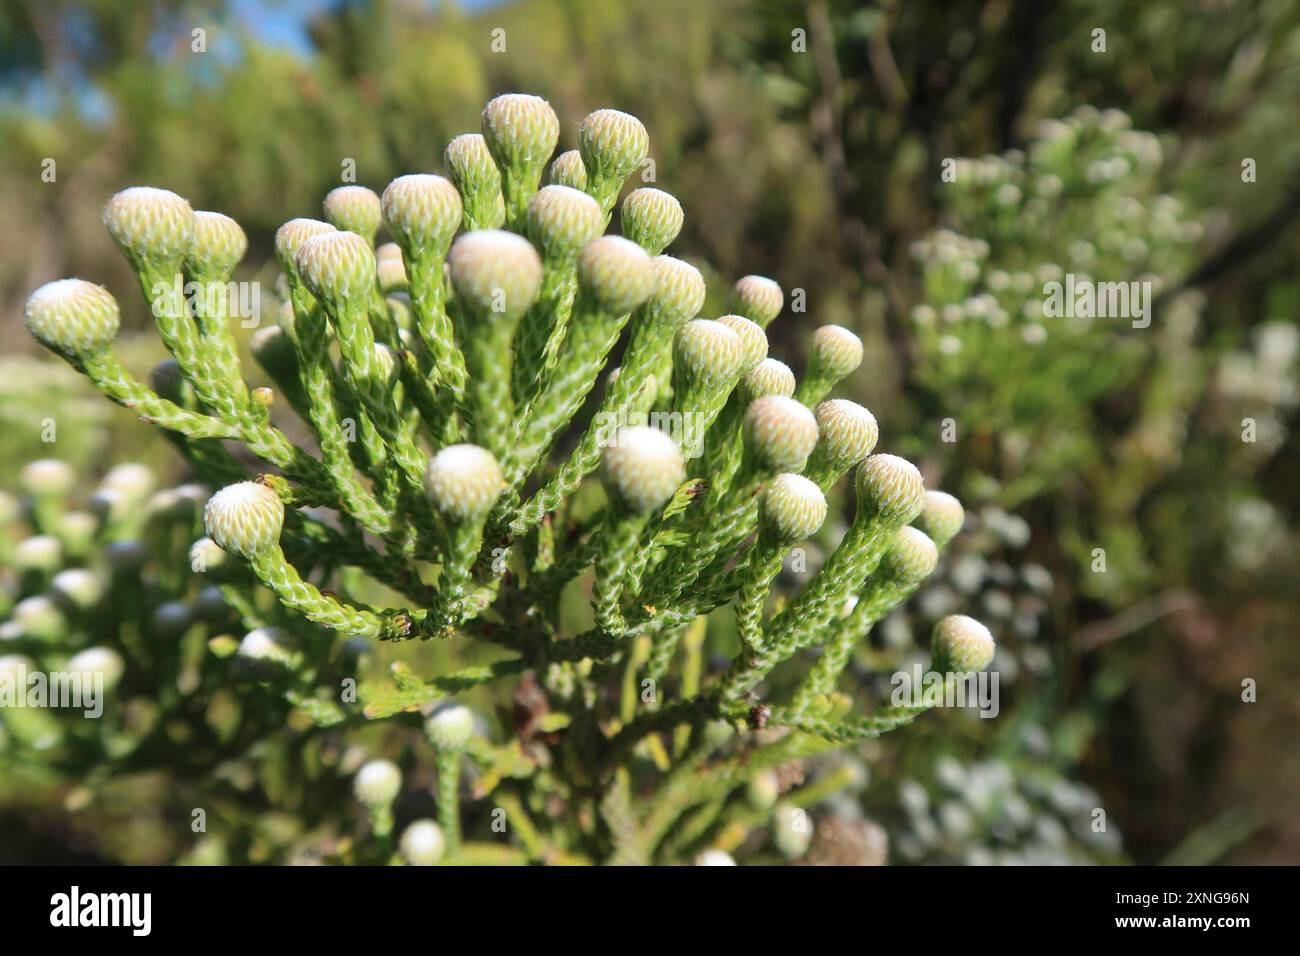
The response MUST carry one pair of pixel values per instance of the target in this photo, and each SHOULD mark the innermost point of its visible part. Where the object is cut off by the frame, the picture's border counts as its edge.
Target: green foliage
(428, 476)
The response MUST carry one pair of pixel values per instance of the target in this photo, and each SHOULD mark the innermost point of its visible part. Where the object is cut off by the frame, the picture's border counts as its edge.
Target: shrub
(444, 503)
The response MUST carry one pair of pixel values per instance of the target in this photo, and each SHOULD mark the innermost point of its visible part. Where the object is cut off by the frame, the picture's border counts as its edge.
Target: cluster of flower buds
(444, 376)
(1002, 812)
(1080, 206)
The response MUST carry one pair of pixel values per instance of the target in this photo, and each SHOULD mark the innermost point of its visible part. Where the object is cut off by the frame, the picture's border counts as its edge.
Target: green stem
(448, 768)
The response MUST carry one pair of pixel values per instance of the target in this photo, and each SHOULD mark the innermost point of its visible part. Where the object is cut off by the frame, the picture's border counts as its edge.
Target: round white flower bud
(753, 340)
(450, 726)
(764, 790)
(835, 352)
(520, 130)
(78, 529)
(377, 783)
(942, 517)
(218, 246)
(338, 267)
(678, 292)
(47, 478)
(292, 236)
(39, 617)
(616, 273)
(130, 479)
(495, 272)
(960, 645)
(98, 660)
(422, 843)
(890, 487)
(150, 225)
(769, 377)
(652, 219)
(792, 508)
(390, 272)
(16, 667)
(757, 298)
(792, 831)
(81, 587)
(707, 352)
(422, 212)
(613, 144)
(911, 557)
(244, 518)
(10, 509)
(72, 317)
(353, 209)
(780, 433)
(471, 167)
(848, 433)
(40, 552)
(388, 364)
(464, 481)
(561, 221)
(267, 650)
(642, 467)
(567, 170)
(714, 857)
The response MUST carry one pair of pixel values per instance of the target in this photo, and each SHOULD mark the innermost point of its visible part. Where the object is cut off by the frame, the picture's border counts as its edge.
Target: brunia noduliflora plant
(437, 376)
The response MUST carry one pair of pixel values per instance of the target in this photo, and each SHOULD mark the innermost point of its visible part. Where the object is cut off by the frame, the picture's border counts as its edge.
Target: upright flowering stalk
(496, 276)
(308, 329)
(471, 167)
(376, 786)
(652, 219)
(613, 145)
(721, 453)
(154, 229)
(339, 270)
(792, 509)
(567, 169)
(520, 132)
(449, 729)
(847, 433)
(708, 358)
(463, 483)
(217, 246)
(836, 352)
(560, 222)
(642, 468)
(758, 299)
(423, 212)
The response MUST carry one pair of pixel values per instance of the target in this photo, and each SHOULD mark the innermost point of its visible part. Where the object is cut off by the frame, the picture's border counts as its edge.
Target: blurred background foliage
(806, 141)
